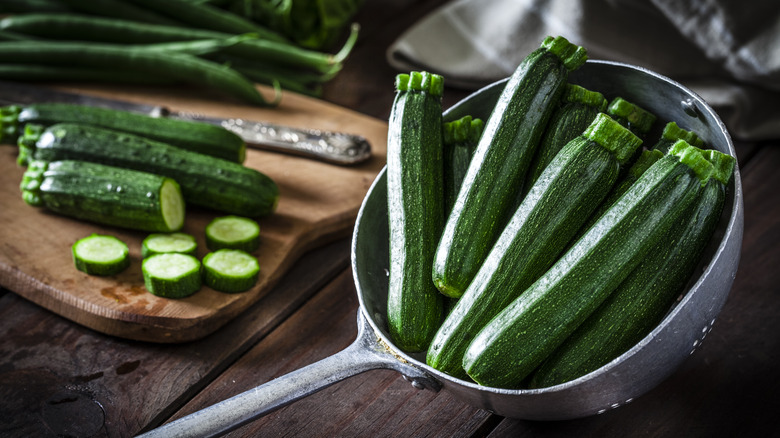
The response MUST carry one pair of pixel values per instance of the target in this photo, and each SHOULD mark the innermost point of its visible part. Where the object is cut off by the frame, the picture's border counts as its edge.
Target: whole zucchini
(642, 299)
(497, 170)
(527, 331)
(415, 202)
(205, 181)
(199, 137)
(579, 107)
(105, 195)
(671, 134)
(632, 116)
(459, 139)
(576, 180)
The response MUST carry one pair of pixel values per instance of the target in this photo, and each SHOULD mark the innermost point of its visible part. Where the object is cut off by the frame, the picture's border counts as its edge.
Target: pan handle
(366, 353)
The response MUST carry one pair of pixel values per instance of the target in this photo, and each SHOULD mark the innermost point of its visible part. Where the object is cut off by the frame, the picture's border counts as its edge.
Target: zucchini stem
(613, 136)
(572, 55)
(694, 158)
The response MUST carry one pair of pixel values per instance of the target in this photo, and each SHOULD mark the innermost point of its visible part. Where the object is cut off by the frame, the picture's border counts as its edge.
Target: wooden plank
(728, 387)
(50, 367)
(374, 403)
(318, 203)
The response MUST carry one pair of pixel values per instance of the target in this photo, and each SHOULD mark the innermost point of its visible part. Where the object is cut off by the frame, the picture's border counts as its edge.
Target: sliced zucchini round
(99, 254)
(160, 243)
(233, 232)
(230, 270)
(172, 275)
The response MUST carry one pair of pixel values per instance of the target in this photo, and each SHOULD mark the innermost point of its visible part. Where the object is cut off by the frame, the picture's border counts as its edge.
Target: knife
(331, 147)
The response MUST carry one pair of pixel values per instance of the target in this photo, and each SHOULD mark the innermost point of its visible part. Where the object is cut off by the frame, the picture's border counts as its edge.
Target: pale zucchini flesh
(159, 243)
(230, 270)
(233, 232)
(100, 255)
(172, 275)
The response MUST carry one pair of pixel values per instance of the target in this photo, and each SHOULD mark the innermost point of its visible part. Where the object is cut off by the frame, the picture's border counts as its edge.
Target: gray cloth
(726, 51)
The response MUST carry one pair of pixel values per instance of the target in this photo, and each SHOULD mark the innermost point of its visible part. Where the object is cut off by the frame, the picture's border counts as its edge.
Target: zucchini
(497, 170)
(671, 134)
(639, 120)
(159, 243)
(200, 137)
(459, 138)
(205, 181)
(230, 270)
(642, 299)
(172, 275)
(578, 179)
(102, 255)
(579, 107)
(233, 232)
(526, 332)
(105, 195)
(415, 200)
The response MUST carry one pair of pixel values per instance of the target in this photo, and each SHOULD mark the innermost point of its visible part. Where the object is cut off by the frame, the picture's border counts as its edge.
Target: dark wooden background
(60, 379)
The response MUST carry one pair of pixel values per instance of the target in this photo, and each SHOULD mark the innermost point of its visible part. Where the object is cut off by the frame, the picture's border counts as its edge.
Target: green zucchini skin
(641, 300)
(571, 186)
(415, 197)
(526, 332)
(205, 181)
(102, 194)
(639, 164)
(574, 183)
(172, 275)
(497, 170)
(578, 109)
(198, 137)
(85, 259)
(460, 139)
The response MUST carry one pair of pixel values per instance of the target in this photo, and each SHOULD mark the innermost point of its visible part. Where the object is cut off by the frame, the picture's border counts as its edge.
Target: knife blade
(328, 146)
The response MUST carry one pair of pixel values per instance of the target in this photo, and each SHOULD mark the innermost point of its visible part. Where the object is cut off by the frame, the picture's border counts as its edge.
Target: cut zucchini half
(172, 275)
(230, 270)
(233, 232)
(172, 203)
(100, 255)
(160, 243)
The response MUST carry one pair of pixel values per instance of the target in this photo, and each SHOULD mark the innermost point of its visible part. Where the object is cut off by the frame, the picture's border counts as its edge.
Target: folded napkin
(726, 51)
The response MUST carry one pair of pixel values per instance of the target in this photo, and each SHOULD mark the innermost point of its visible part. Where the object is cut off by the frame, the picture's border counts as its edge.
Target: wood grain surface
(318, 203)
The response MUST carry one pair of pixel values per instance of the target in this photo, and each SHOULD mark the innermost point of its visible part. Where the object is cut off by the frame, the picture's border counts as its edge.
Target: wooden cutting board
(318, 203)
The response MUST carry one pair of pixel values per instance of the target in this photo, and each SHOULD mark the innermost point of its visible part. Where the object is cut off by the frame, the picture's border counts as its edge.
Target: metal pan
(632, 374)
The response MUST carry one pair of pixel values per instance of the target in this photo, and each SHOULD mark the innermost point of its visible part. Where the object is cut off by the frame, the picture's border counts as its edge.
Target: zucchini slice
(159, 243)
(233, 232)
(101, 255)
(172, 275)
(230, 270)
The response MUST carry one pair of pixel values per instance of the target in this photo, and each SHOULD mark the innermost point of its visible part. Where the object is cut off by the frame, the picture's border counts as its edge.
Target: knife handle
(334, 147)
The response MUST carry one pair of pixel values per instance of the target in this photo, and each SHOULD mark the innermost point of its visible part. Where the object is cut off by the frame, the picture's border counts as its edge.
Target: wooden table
(58, 378)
